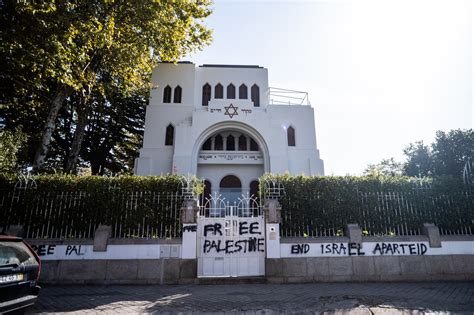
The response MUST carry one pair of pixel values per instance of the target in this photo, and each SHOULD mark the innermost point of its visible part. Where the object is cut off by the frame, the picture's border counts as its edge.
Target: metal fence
(77, 214)
(156, 214)
(378, 213)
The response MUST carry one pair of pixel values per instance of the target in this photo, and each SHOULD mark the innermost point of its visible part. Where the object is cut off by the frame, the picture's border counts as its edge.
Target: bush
(381, 205)
(73, 206)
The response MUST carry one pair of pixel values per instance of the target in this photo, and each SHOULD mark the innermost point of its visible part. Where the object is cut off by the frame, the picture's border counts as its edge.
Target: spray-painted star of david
(233, 108)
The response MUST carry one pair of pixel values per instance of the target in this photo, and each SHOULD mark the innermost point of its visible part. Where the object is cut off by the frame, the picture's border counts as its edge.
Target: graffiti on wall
(354, 249)
(190, 228)
(51, 250)
(241, 236)
(120, 251)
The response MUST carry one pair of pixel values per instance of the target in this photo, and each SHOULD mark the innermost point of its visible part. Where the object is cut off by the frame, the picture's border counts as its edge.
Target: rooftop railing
(278, 96)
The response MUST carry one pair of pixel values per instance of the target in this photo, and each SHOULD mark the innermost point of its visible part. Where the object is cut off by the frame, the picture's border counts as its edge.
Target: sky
(380, 74)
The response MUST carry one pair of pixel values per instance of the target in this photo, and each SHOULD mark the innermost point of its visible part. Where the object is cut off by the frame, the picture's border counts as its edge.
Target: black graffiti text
(352, 249)
(190, 228)
(299, 249)
(246, 228)
(401, 249)
(44, 250)
(334, 248)
(355, 250)
(213, 228)
(252, 244)
(74, 249)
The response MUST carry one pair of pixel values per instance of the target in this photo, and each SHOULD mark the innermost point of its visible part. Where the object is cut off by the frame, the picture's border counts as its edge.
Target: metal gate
(230, 238)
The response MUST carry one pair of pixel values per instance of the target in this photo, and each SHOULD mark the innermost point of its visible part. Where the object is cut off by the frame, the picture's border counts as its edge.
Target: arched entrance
(230, 225)
(231, 148)
(232, 138)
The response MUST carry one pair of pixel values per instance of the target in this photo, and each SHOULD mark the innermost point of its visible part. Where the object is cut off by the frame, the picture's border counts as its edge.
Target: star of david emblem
(231, 110)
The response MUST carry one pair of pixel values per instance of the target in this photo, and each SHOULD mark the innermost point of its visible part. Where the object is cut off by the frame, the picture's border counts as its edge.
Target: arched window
(167, 94)
(206, 94)
(242, 143)
(230, 143)
(231, 91)
(219, 91)
(254, 189)
(218, 143)
(177, 94)
(290, 132)
(255, 95)
(243, 92)
(207, 145)
(253, 145)
(230, 181)
(169, 137)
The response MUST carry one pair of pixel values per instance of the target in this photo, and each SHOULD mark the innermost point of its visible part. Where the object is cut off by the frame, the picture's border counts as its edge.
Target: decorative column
(236, 143)
(272, 211)
(189, 212)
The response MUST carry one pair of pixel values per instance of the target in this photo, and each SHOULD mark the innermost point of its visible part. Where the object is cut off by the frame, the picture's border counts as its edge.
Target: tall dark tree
(115, 131)
(447, 155)
(59, 48)
(451, 150)
(419, 160)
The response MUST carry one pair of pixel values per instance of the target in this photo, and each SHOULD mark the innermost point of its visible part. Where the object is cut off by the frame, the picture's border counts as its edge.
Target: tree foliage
(387, 167)
(10, 142)
(451, 150)
(419, 160)
(72, 51)
(446, 156)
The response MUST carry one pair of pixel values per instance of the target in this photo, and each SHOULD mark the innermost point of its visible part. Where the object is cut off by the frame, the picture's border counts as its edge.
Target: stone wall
(371, 268)
(127, 271)
(127, 261)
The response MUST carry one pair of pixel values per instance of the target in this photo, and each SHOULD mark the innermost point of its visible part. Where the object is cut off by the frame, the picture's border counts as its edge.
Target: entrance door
(230, 238)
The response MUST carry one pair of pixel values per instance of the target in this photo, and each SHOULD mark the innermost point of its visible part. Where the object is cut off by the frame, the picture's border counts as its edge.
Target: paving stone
(322, 298)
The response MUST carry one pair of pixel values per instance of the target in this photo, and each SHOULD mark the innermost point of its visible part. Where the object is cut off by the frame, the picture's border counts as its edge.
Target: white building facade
(219, 123)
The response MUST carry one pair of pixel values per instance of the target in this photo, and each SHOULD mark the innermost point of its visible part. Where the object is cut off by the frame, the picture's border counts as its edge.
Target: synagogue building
(224, 124)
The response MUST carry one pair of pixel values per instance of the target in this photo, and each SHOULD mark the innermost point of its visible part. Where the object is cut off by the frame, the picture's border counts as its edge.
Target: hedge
(73, 206)
(323, 206)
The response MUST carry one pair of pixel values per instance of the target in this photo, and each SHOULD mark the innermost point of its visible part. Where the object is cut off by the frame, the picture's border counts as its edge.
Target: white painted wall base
(188, 247)
(273, 240)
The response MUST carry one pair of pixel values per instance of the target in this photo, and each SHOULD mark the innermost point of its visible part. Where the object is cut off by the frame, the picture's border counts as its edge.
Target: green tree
(10, 142)
(114, 135)
(419, 160)
(451, 150)
(447, 155)
(65, 46)
(387, 167)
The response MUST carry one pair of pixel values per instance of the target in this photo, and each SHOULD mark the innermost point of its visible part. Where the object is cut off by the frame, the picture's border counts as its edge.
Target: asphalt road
(321, 298)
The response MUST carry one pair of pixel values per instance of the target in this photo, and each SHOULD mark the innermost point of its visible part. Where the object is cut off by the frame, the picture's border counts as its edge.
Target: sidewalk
(327, 298)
